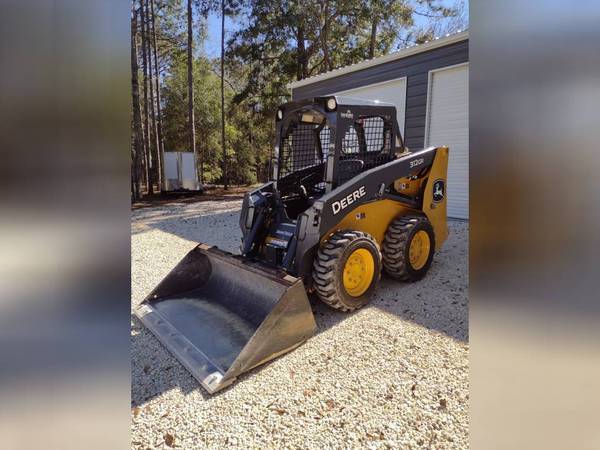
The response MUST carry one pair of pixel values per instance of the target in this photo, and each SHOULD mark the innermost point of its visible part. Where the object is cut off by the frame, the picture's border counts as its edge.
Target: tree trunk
(373, 37)
(138, 144)
(190, 73)
(225, 184)
(201, 153)
(257, 160)
(325, 36)
(148, 134)
(161, 144)
(302, 61)
(154, 133)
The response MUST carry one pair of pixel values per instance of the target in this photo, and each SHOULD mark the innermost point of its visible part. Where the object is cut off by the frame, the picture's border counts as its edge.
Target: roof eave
(436, 43)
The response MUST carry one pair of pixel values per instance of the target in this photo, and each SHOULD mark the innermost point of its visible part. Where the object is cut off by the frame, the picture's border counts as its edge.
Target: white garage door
(393, 91)
(448, 124)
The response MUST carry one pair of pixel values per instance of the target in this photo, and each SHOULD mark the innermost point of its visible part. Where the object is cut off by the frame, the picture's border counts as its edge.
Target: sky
(212, 45)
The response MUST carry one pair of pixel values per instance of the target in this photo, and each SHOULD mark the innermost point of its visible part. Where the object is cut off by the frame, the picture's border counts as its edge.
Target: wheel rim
(418, 252)
(358, 272)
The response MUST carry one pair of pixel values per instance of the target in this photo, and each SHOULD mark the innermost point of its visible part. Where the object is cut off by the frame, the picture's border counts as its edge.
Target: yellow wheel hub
(418, 253)
(358, 272)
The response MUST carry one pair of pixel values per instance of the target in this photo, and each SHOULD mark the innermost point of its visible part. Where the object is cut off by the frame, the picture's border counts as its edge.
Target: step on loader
(347, 200)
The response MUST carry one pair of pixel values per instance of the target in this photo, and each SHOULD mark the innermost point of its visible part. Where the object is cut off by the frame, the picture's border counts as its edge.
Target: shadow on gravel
(153, 361)
(445, 312)
(221, 226)
(439, 302)
(211, 193)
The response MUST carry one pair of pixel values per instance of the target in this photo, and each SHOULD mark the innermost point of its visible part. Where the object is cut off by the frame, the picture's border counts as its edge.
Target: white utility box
(180, 171)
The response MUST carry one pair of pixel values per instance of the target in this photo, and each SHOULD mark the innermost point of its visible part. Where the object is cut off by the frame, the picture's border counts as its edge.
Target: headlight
(331, 104)
(249, 217)
(279, 114)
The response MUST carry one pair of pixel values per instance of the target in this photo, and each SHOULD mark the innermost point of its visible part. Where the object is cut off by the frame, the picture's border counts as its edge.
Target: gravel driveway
(392, 375)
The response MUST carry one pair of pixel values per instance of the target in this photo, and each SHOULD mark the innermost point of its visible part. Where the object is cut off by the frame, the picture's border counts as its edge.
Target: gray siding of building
(415, 68)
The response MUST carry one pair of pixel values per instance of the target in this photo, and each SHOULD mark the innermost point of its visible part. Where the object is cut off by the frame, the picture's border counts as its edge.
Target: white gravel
(392, 375)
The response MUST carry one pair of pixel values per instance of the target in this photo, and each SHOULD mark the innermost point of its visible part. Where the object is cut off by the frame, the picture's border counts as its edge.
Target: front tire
(408, 248)
(346, 270)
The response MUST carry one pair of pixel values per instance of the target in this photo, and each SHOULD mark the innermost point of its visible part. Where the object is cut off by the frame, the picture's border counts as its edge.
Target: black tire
(396, 247)
(328, 269)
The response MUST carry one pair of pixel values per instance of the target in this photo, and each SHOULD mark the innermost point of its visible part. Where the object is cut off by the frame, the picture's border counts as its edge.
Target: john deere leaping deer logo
(439, 190)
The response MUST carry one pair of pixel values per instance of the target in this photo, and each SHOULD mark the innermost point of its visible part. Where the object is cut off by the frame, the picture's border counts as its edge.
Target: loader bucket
(221, 316)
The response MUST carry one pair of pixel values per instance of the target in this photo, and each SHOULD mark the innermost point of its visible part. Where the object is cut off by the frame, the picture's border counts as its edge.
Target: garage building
(429, 84)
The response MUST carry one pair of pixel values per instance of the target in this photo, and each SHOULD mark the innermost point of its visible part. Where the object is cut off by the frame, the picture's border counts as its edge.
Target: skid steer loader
(347, 199)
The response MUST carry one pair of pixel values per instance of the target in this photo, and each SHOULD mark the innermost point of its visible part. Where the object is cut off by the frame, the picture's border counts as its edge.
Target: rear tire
(347, 269)
(398, 260)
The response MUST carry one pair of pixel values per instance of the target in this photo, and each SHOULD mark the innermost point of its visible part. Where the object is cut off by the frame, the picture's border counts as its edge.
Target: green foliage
(206, 110)
(290, 40)
(247, 134)
(278, 42)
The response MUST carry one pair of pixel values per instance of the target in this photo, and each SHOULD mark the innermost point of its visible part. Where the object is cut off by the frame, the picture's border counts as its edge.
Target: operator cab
(303, 149)
(323, 142)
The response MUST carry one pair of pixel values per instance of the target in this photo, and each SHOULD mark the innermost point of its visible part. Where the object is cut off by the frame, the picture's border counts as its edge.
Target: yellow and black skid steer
(347, 200)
